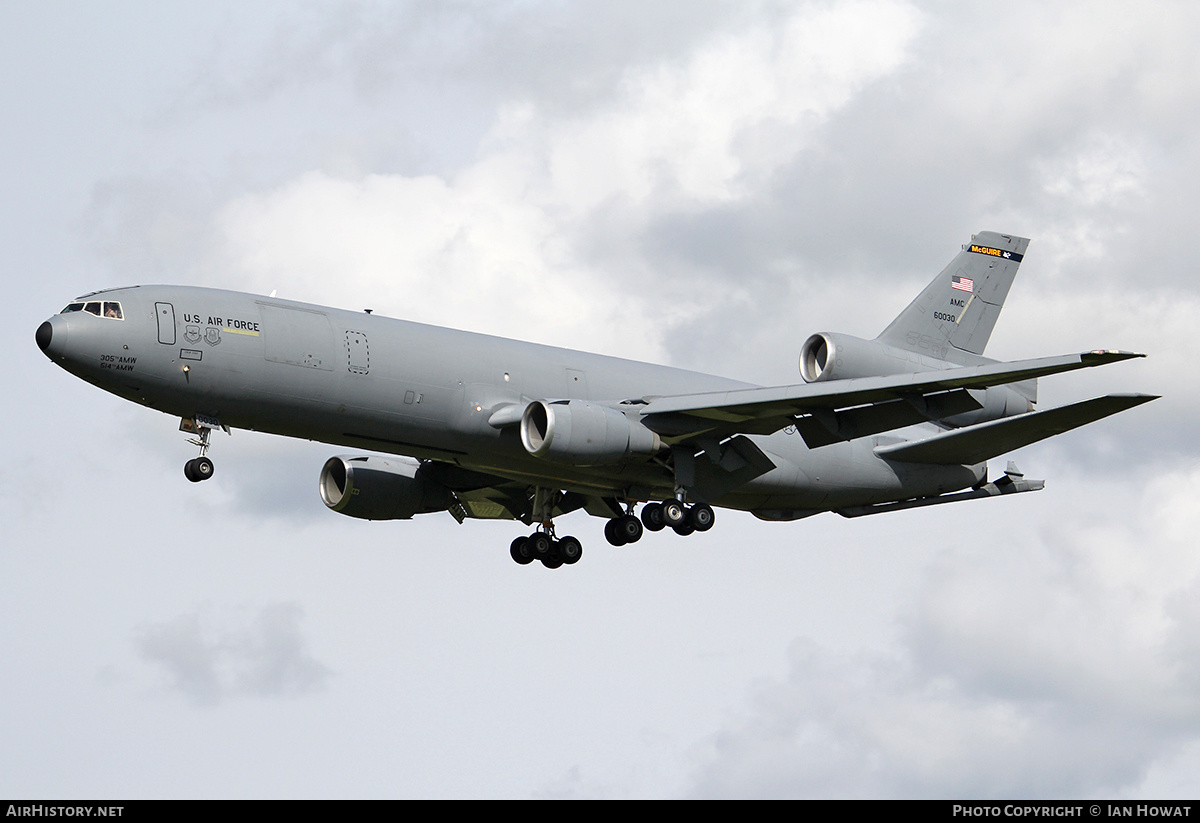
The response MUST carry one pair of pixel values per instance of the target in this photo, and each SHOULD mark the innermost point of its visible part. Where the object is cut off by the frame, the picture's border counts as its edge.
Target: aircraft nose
(52, 337)
(45, 334)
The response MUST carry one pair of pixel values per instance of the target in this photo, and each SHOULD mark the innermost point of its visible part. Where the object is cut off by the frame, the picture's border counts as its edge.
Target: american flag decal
(962, 283)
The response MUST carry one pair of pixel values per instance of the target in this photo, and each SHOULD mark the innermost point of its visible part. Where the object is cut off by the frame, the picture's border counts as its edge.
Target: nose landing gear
(200, 468)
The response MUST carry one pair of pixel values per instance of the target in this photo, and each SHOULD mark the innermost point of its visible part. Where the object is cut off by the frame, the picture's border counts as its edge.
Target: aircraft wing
(983, 441)
(890, 402)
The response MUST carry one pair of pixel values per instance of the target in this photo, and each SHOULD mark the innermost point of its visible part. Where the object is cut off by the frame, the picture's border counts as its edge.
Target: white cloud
(737, 108)
(508, 244)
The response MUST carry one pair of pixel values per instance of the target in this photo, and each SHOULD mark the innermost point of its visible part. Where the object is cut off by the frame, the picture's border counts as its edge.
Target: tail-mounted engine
(380, 488)
(583, 433)
(833, 356)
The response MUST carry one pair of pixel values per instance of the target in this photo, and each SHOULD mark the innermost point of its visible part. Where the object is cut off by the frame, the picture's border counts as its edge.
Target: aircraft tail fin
(955, 314)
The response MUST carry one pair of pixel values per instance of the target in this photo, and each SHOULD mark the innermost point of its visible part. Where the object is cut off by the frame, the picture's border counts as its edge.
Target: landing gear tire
(204, 468)
(629, 527)
(652, 517)
(673, 513)
(612, 534)
(570, 550)
(520, 551)
(684, 529)
(701, 517)
(552, 561)
(540, 546)
(198, 468)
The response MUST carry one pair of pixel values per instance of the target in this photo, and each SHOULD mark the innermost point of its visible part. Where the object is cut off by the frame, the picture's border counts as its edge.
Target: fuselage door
(166, 323)
(358, 355)
(301, 337)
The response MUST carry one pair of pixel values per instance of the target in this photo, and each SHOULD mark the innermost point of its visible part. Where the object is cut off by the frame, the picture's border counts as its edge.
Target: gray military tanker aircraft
(486, 427)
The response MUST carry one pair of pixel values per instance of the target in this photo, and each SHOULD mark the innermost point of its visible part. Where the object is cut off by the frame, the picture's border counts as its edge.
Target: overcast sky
(697, 183)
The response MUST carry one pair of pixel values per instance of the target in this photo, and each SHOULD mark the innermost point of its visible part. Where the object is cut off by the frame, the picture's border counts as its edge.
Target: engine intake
(583, 433)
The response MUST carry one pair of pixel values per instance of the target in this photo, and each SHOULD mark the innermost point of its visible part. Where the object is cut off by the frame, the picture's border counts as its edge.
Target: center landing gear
(623, 530)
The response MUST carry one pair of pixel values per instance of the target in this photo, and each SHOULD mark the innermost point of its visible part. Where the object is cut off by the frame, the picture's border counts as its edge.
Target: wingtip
(1131, 399)
(1098, 356)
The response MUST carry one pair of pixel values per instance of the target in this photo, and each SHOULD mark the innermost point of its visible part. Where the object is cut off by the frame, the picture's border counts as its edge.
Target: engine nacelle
(833, 356)
(380, 488)
(583, 433)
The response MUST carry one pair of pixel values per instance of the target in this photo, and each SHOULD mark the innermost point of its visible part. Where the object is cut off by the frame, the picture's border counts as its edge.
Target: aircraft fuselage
(375, 383)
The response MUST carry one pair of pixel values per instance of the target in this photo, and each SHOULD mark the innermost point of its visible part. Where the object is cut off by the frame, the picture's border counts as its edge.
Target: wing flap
(975, 444)
(825, 427)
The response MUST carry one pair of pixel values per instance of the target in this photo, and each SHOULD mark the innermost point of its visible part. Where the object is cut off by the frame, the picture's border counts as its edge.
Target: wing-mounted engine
(380, 488)
(584, 434)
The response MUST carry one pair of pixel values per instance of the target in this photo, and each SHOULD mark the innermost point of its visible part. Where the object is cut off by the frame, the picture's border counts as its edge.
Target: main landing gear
(542, 546)
(657, 516)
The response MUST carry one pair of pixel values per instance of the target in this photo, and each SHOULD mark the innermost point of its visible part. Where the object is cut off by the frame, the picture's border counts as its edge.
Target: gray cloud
(209, 664)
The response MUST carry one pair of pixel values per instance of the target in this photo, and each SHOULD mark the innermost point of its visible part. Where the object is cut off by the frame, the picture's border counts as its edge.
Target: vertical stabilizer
(955, 314)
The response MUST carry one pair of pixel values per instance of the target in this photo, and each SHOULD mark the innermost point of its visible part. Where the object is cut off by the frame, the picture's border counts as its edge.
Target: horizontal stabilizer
(975, 444)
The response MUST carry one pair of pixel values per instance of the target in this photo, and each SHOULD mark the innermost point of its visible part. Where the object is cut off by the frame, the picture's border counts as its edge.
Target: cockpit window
(108, 308)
